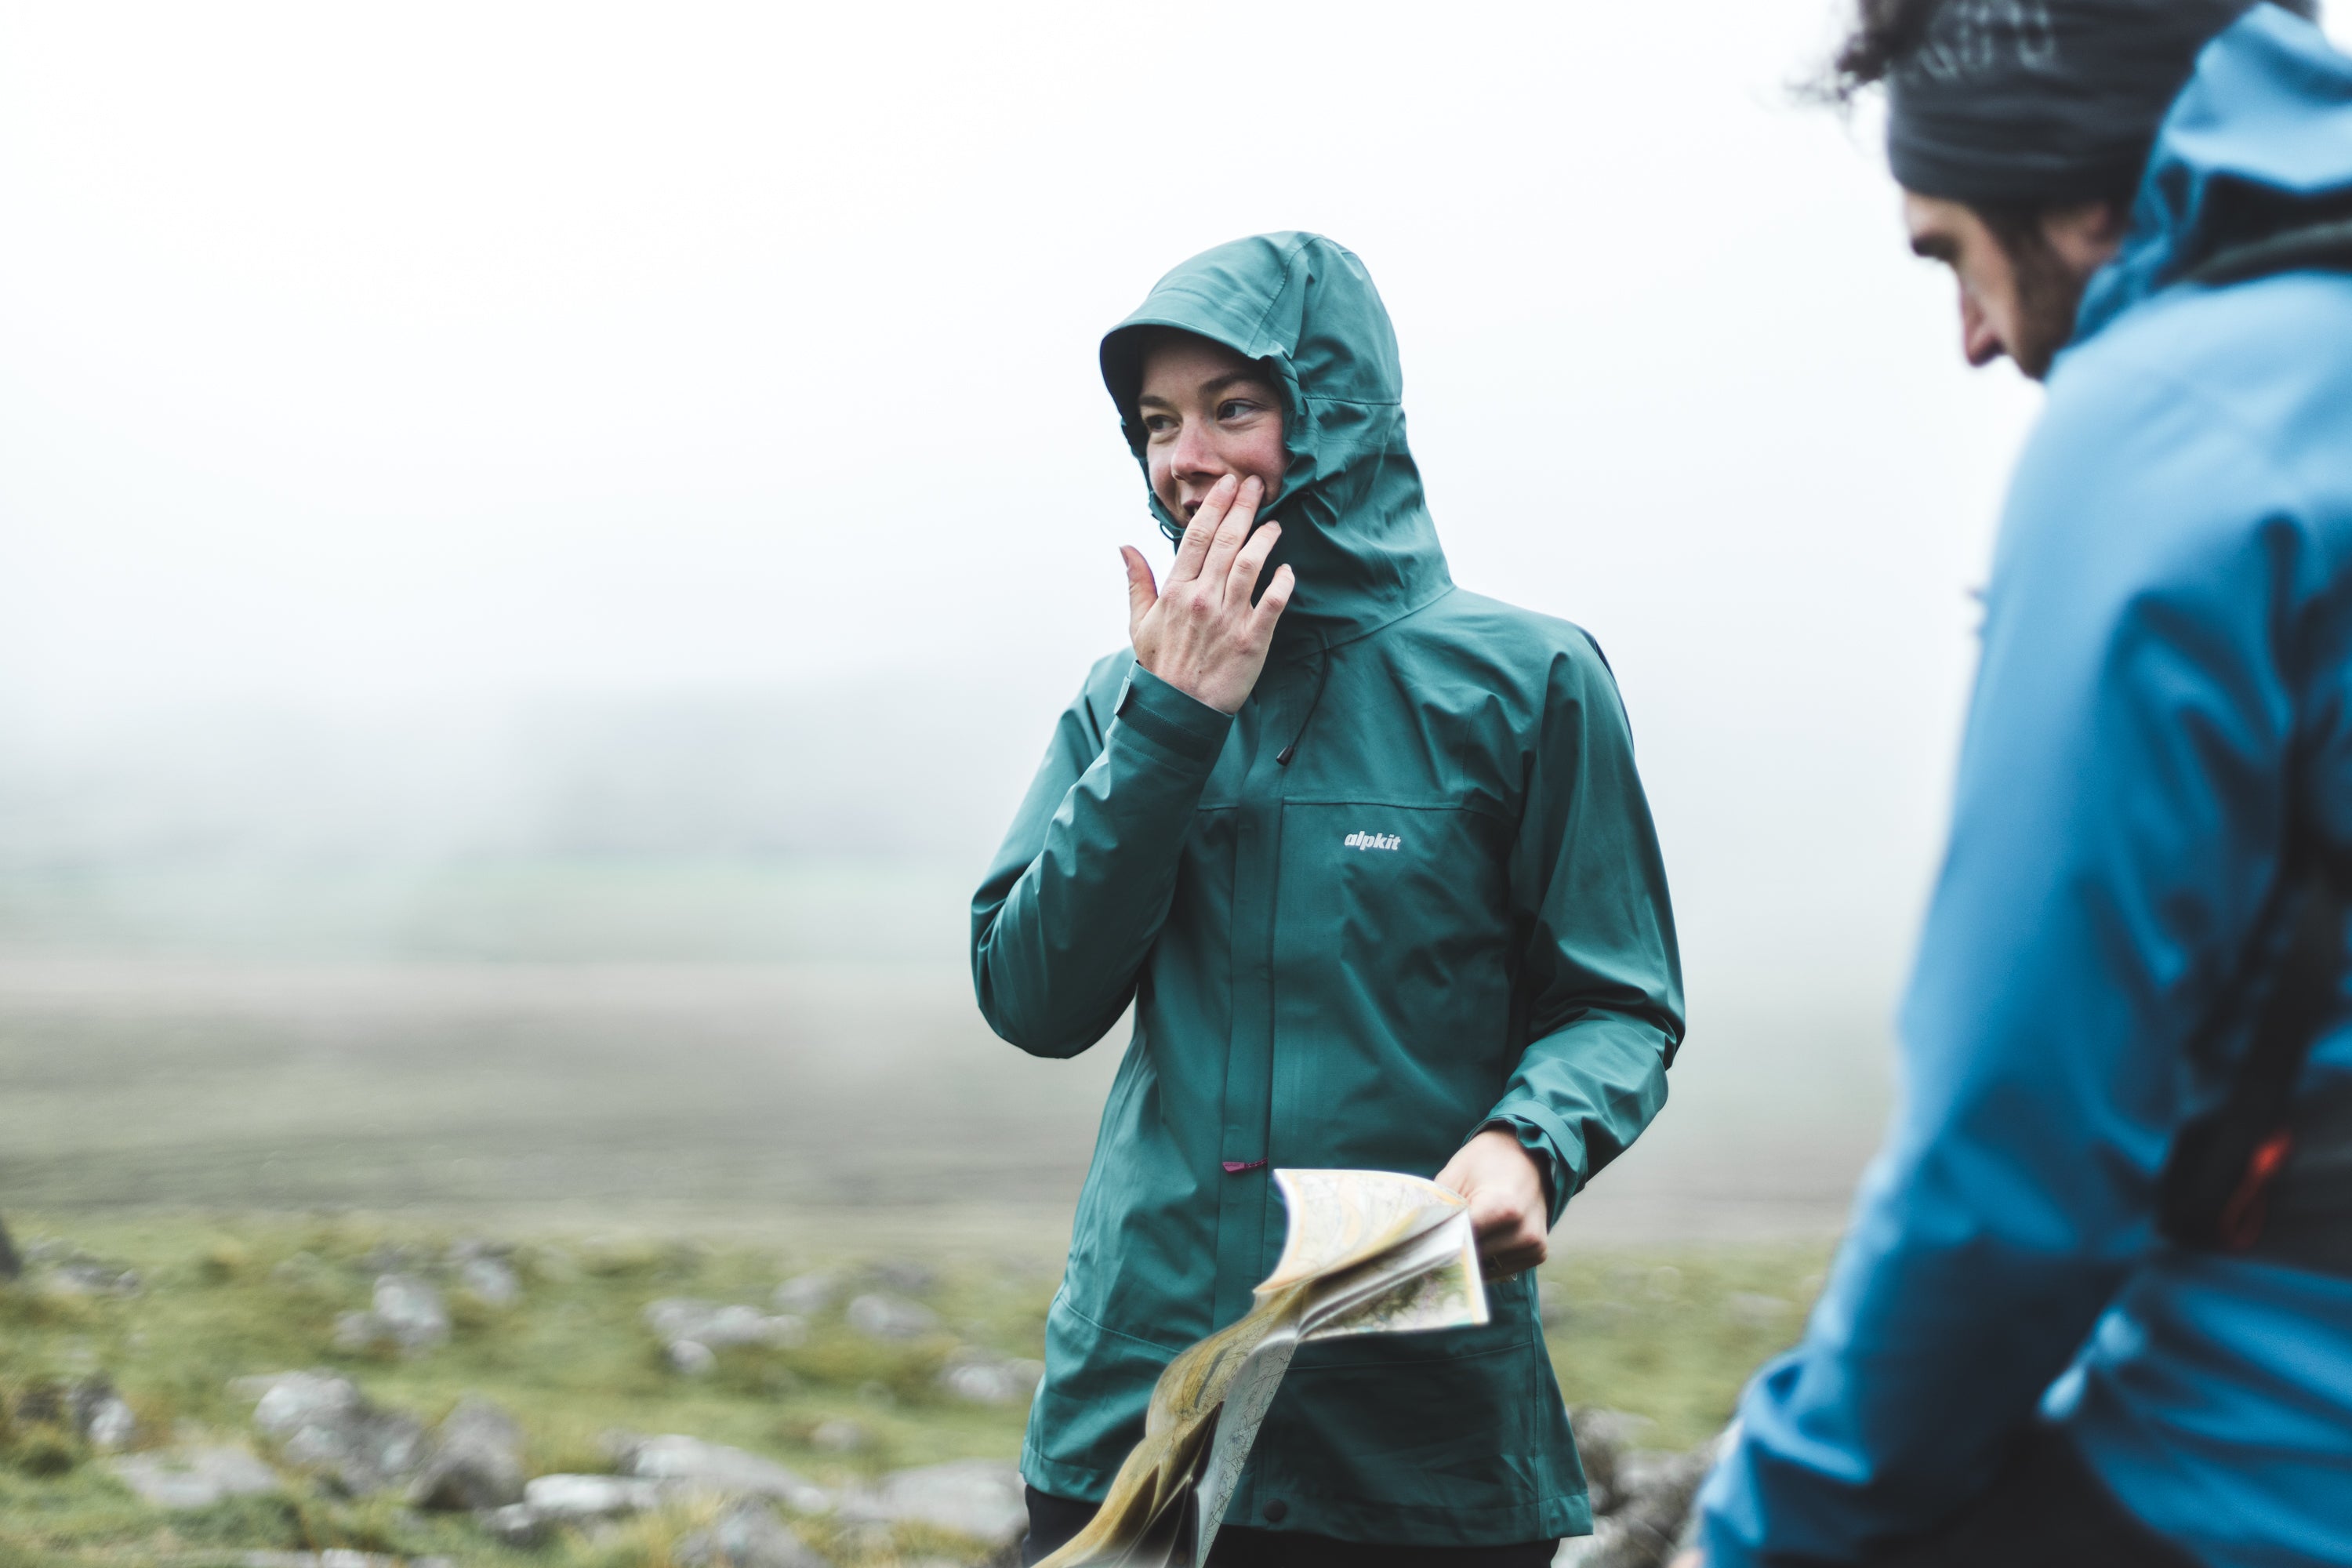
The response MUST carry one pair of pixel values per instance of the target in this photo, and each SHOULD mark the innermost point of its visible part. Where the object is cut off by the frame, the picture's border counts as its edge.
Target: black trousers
(1054, 1520)
(2047, 1508)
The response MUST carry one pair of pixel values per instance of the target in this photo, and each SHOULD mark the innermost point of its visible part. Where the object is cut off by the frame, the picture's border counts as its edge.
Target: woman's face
(1207, 412)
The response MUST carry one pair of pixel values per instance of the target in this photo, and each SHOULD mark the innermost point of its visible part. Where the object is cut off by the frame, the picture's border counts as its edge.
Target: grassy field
(695, 1081)
(1669, 1334)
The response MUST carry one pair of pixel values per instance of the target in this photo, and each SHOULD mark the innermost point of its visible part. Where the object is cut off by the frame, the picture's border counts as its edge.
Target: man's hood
(2260, 140)
(1355, 526)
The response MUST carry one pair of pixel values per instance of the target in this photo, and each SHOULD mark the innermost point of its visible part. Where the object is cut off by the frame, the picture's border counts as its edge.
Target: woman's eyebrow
(1217, 383)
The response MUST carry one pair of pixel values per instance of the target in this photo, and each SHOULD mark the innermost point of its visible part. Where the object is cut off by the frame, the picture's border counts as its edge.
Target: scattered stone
(841, 1435)
(881, 1315)
(1601, 1436)
(334, 1557)
(81, 1275)
(195, 1477)
(101, 1417)
(748, 1535)
(517, 1525)
(691, 1464)
(693, 1331)
(411, 1312)
(806, 1295)
(321, 1422)
(986, 1379)
(489, 1280)
(474, 1461)
(407, 1316)
(1654, 1493)
(978, 1498)
(570, 1499)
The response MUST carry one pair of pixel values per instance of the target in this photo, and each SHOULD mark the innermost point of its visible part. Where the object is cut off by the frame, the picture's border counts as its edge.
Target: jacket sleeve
(1601, 982)
(2113, 841)
(1078, 892)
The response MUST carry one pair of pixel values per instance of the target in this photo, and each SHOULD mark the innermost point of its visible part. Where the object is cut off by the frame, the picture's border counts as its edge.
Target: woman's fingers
(1249, 562)
(1278, 598)
(1198, 533)
(1231, 530)
(1142, 593)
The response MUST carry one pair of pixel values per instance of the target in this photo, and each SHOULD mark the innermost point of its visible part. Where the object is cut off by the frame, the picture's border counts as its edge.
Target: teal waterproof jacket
(1409, 891)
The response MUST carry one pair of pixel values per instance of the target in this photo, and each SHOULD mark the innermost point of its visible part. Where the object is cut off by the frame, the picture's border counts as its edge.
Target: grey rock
(333, 1557)
(410, 1312)
(881, 1315)
(489, 1280)
(568, 1498)
(1656, 1491)
(195, 1477)
(691, 1358)
(746, 1535)
(474, 1461)
(101, 1416)
(691, 1464)
(321, 1422)
(978, 1498)
(806, 1295)
(982, 1378)
(81, 1275)
(517, 1525)
(1602, 1437)
(407, 1316)
(718, 1326)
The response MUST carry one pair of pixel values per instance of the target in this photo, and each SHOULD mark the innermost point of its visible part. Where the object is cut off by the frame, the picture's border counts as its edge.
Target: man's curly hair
(1884, 34)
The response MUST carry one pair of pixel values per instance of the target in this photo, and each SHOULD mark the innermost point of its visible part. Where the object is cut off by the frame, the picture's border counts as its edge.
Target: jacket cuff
(1170, 718)
(1546, 1139)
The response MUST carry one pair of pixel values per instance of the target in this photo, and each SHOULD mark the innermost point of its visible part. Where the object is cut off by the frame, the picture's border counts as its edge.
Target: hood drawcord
(1322, 673)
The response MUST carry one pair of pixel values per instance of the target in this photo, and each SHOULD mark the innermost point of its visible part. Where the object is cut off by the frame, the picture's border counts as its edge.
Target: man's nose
(1980, 342)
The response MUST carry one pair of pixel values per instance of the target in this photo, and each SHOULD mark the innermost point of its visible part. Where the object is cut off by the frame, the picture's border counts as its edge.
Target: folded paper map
(1369, 1252)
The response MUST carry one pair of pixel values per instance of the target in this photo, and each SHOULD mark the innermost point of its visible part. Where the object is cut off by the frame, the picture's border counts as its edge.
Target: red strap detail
(1235, 1167)
(2241, 1218)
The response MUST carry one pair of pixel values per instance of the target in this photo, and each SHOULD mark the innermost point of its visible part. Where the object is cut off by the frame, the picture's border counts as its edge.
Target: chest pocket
(1394, 918)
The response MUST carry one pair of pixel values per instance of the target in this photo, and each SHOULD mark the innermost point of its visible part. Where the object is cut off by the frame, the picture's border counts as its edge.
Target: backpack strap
(2325, 246)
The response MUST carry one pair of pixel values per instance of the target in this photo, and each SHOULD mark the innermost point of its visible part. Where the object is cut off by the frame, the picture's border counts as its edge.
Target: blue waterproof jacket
(2167, 626)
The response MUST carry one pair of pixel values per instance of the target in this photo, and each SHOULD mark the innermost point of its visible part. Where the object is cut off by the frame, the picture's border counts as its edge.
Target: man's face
(2017, 297)
(1207, 412)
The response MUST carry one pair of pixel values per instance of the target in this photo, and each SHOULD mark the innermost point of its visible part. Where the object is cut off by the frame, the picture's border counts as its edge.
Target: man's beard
(2049, 294)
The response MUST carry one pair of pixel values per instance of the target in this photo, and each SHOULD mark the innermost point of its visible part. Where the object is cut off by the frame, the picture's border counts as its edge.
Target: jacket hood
(1355, 525)
(2260, 140)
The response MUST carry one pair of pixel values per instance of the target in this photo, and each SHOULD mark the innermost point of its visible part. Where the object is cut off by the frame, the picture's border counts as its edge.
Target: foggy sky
(398, 367)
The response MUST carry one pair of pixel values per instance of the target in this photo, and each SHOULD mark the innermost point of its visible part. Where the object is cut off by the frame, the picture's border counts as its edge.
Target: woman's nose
(1195, 454)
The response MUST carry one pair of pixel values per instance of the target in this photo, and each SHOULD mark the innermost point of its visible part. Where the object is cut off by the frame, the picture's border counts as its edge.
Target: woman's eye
(1235, 408)
(1159, 425)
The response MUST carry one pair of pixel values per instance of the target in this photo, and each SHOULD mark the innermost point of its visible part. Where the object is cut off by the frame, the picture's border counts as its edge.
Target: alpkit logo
(1373, 841)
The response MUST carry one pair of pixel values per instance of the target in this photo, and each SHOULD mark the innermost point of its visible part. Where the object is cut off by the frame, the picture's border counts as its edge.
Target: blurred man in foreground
(2096, 1306)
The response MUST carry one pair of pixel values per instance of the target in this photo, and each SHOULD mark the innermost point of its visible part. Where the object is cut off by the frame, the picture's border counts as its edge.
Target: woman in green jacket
(1368, 857)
